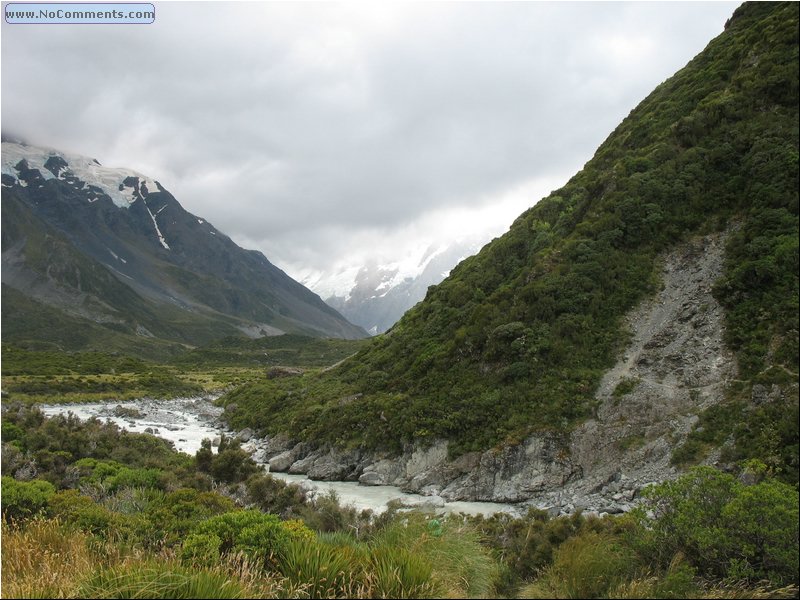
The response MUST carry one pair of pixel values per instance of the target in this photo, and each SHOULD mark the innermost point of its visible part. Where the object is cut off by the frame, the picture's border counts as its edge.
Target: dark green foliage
(762, 430)
(111, 475)
(325, 514)
(56, 373)
(275, 496)
(527, 545)
(230, 464)
(518, 336)
(79, 511)
(18, 361)
(174, 515)
(724, 528)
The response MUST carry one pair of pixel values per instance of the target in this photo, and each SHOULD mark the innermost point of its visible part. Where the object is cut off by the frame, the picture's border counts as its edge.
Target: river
(187, 421)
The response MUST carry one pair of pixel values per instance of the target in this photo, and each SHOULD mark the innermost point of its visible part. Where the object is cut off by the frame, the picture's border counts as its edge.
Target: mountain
(639, 319)
(87, 246)
(375, 296)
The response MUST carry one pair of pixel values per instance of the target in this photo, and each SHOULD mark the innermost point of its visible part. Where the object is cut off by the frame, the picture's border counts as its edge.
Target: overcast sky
(326, 133)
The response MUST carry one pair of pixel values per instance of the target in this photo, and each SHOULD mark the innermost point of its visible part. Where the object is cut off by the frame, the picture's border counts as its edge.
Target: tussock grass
(586, 566)
(755, 592)
(45, 560)
(325, 570)
(461, 566)
(154, 579)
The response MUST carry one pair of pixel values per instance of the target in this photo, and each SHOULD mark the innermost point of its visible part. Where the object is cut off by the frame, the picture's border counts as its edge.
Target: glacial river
(187, 421)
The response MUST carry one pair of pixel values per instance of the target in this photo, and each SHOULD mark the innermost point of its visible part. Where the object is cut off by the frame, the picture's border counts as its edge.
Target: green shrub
(230, 464)
(178, 513)
(763, 533)
(256, 534)
(325, 514)
(724, 528)
(275, 496)
(24, 499)
(202, 548)
(76, 510)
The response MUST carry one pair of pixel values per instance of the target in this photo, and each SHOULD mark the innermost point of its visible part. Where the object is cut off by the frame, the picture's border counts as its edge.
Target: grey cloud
(281, 123)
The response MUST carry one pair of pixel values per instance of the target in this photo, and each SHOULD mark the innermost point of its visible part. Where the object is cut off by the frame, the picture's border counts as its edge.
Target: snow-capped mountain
(115, 247)
(375, 296)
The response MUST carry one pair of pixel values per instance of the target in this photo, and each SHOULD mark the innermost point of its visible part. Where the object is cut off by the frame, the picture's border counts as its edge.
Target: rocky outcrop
(675, 366)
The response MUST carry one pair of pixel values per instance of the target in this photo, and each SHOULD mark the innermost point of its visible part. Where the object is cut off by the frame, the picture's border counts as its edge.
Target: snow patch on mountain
(375, 295)
(158, 231)
(123, 186)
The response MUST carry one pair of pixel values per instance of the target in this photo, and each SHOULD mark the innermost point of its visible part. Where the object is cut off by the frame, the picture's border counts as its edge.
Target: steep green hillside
(517, 338)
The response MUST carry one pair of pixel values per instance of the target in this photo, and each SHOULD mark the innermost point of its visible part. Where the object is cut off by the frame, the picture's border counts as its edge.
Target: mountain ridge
(152, 246)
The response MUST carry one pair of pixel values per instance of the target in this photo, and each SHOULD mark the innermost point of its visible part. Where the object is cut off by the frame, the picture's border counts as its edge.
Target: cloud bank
(325, 133)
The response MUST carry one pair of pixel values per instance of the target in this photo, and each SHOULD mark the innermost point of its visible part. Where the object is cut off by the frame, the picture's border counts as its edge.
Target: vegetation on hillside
(517, 337)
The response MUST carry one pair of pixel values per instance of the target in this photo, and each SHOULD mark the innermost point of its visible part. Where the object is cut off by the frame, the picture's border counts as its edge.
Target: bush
(725, 529)
(24, 499)
(79, 511)
(173, 517)
(275, 496)
(256, 534)
(325, 514)
(763, 531)
(231, 464)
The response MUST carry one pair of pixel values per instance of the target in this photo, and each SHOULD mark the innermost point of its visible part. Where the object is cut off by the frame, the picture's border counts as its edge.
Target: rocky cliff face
(674, 366)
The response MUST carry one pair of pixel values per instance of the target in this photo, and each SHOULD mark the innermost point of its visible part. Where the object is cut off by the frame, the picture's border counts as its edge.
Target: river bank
(187, 421)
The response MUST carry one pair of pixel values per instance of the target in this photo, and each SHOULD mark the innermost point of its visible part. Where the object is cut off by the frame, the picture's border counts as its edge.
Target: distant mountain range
(96, 255)
(375, 296)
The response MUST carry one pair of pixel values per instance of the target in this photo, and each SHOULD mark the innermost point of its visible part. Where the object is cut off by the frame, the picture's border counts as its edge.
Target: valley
(601, 402)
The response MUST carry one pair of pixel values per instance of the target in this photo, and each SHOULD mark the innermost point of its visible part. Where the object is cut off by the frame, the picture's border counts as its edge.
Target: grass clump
(163, 580)
(585, 566)
(42, 562)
